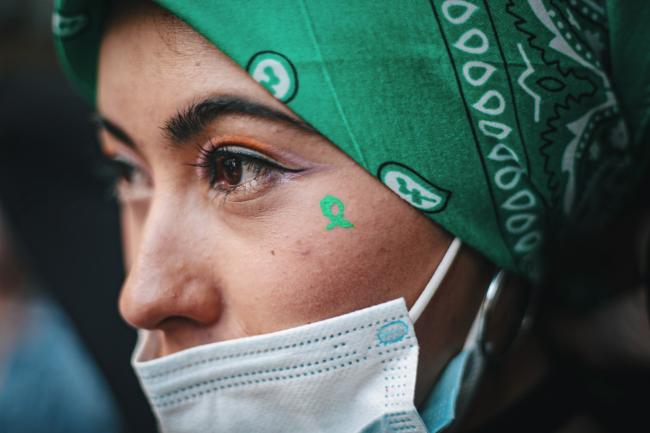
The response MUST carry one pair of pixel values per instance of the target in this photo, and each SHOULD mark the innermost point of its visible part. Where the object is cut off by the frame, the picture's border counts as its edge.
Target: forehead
(147, 17)
(152, 65)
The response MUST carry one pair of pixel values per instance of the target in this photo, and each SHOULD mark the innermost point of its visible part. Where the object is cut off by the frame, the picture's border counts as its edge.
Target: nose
(169, 282)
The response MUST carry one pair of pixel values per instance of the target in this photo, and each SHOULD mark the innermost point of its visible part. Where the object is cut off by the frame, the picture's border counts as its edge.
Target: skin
(204, 266)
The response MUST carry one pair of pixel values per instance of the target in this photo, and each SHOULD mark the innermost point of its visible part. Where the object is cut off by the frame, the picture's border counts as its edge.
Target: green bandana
(511, 125)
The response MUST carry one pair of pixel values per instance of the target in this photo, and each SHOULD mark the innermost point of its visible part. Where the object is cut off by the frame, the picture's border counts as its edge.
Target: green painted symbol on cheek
(336, 220)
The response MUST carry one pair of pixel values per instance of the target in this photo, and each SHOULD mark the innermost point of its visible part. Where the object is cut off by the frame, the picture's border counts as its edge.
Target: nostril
(174, 323)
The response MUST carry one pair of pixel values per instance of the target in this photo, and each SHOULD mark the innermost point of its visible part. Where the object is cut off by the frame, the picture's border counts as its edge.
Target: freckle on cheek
(272, 252)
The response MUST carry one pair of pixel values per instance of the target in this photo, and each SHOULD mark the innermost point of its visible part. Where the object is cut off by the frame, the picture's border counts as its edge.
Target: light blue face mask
(440, 409)
(457, 384)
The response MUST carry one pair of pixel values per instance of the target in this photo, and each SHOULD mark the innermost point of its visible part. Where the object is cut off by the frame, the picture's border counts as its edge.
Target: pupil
(230, 170)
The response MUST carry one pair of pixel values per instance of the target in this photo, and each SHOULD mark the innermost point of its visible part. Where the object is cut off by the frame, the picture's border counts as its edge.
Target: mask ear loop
(436, 279)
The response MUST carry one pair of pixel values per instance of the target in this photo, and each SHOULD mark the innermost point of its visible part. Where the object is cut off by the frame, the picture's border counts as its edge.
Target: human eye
(239, 172)
(129, 181)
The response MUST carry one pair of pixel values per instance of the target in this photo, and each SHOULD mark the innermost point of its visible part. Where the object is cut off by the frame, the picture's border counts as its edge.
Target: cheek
(297, 271)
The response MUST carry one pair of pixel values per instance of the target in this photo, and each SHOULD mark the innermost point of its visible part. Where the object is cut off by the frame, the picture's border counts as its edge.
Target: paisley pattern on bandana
(545, 118)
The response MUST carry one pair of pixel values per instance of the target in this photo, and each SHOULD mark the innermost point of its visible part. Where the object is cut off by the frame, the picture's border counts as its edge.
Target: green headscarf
(511, 124)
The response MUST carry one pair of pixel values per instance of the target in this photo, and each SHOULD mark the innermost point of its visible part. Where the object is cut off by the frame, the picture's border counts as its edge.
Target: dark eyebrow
(117, 132)
(192, 120)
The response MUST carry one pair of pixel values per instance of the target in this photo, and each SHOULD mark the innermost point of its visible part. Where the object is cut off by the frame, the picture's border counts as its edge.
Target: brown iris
(227, 170)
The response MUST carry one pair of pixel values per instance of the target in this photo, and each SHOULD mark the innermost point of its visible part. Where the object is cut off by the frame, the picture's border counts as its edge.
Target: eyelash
(260, 165)
(119, 169)
(256, 171)
(126, 179)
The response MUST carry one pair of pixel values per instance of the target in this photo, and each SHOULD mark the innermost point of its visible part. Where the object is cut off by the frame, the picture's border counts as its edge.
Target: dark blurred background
(64, 350)
(62, 264)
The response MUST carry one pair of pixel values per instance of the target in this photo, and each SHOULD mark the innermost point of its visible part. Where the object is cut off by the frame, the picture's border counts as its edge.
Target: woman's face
(221, 194)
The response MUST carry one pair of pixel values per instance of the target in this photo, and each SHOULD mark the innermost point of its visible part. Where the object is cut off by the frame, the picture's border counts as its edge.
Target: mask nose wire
(436, 279)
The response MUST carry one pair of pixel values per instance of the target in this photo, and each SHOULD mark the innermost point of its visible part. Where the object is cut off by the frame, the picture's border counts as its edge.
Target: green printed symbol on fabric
(416, 196)
(65, 26)
(271, 81)
(413, 188)
(336, 220)
(276, 73)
